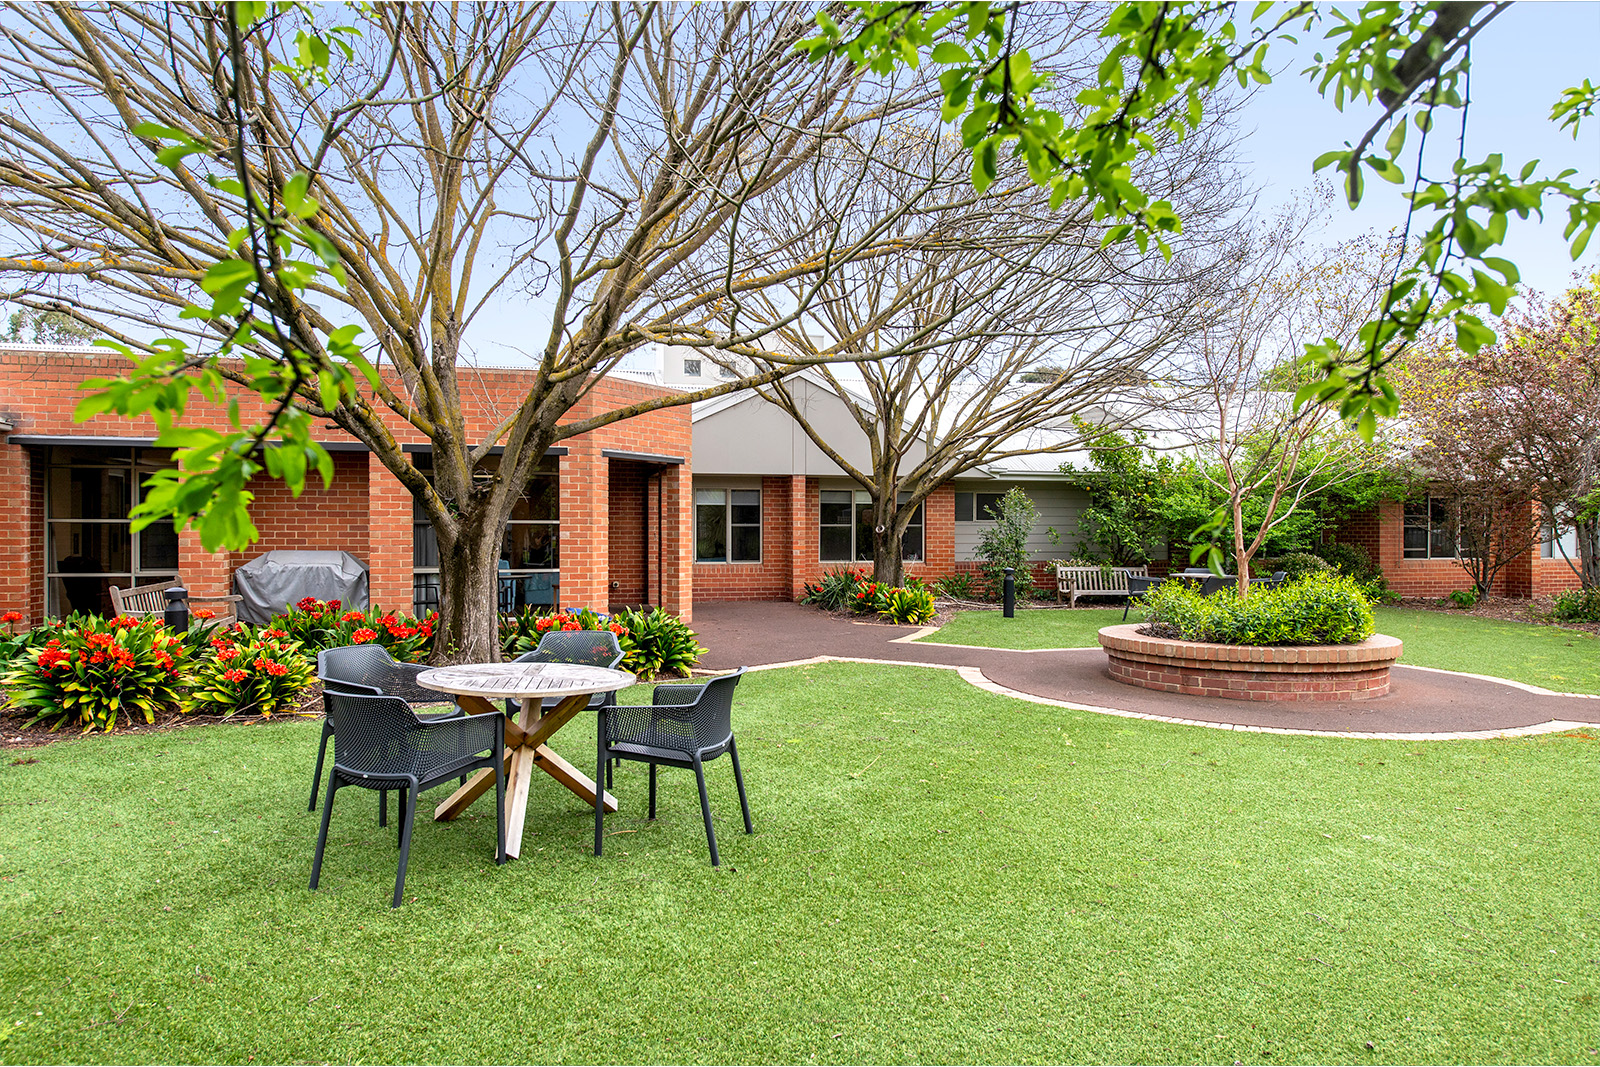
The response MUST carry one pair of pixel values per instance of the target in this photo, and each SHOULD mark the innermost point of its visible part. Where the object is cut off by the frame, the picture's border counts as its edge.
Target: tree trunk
(1241, 560)
(1589, 552)
(888, 564)
(469, 594)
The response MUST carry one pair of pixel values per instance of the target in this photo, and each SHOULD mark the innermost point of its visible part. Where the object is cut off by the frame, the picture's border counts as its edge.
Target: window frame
(1437, 512)
(728, 504)
(970, 498)
(515, 582)
(693, 368)
(137, 463)
(860, 526)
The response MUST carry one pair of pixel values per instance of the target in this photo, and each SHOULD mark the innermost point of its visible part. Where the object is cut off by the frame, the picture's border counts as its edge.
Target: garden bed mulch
(1539, 610)
(16, 734)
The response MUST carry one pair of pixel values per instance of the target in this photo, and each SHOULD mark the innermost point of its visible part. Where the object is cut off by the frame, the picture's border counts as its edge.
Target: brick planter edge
(1311, 673)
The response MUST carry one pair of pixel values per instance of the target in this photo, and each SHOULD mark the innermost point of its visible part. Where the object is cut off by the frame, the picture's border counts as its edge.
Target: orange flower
(203, 613)
(362, 636)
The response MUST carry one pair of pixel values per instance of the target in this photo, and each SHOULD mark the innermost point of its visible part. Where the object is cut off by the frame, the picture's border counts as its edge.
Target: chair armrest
(464, 735)
(220, 598)
(350, 687)
(678, 692)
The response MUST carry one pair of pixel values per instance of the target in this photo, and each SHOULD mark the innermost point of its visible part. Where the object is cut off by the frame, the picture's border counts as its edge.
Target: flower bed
(1313, 673)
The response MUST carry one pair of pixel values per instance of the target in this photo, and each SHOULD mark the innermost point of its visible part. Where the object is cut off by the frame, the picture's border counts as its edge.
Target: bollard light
(1010, 610)
(176, 616)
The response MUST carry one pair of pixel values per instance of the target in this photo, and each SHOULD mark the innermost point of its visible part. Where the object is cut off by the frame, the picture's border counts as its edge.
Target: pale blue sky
(1520, 64)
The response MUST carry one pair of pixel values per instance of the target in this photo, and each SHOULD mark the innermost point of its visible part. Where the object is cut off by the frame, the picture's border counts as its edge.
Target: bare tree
(1243, 365)
(983, 343)
(596, 162)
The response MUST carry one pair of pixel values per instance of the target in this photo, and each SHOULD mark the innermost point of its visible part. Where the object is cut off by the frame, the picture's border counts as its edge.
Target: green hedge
(1319, 609)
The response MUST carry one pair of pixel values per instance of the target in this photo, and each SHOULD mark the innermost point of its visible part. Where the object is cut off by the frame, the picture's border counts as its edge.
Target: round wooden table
(567, 685)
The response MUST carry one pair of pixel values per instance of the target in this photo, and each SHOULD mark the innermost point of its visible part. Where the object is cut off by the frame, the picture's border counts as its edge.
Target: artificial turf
(938, 874)
(1565, 660)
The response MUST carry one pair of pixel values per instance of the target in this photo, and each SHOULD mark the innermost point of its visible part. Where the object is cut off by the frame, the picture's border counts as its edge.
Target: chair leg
(652, 791)
(322, 751)
(400, 831)
(322, 835)
(705, 811)
(599, 773)
(405, 842)
(500, 811)
(738, 779)
(383, 807)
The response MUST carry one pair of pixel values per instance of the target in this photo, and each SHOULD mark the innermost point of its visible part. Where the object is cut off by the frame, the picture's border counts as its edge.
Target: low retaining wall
(1251, 672)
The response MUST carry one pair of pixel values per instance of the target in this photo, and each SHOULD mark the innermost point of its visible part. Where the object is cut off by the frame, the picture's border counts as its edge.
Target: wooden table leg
(569, 776)
(463, 798)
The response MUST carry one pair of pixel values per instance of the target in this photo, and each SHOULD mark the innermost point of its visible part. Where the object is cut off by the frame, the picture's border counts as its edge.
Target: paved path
(1422, 703)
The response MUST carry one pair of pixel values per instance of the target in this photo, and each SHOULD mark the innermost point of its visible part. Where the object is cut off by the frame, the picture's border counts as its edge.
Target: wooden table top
(519, 680)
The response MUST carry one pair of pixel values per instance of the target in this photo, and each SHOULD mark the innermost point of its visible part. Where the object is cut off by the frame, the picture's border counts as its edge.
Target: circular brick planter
(1251, 672)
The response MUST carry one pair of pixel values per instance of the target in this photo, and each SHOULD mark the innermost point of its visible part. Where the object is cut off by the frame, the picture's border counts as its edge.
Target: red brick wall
(1381, 532)
(366, 512)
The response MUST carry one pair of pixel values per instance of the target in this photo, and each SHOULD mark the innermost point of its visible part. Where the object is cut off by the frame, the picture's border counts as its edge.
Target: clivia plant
(91, 670)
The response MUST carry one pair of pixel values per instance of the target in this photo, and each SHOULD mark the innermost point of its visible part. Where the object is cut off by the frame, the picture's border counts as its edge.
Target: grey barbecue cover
(275, 579)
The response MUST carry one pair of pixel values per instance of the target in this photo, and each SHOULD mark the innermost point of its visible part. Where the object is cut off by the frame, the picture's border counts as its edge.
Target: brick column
(585, 538)
(802, 537)
(205, 573)
(388, 537)
(677, 541)
(21, 567)
(939, 533)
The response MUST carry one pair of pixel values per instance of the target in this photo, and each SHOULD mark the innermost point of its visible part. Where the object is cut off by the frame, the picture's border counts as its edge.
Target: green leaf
(948, 52)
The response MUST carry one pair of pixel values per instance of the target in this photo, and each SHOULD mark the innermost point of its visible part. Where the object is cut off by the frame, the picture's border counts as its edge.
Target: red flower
(335, 605)
(273, 633)
(51, 656)
(11, 616)
(123, 622)
(308, 603)
(235, 675)
(618, 628)
(388, 619)
(353, 616)
(572, 626)
(362, 636)
(277, 670)
(99, 640)
(164, 660)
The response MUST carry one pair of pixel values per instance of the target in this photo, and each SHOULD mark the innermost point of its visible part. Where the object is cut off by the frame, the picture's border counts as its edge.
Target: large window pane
(744, 521)
(90, 548)
(747, 544)
(158, 547)
(1442, 535)
(541, 501)
(963, 507)
(835, 507)
(90, 492)
(710, 526)
(863, 527)
(835, 542)
(529, 546)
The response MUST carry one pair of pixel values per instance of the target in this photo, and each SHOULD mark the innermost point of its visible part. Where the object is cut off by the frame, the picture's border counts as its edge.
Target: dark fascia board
(558, 450)
(642, 457)
(146, 442)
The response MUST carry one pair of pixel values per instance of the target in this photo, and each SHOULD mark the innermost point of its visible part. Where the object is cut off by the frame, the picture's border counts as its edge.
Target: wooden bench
(152, 600)
(1094, 581)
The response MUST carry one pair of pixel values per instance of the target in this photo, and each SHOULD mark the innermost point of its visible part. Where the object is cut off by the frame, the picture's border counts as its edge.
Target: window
(1430, 529)
(730, 372)
(845, 527)
(530, 564)
(727, 525)
(977, 507)
(691, 368)
(1566, 547)
(90, 543)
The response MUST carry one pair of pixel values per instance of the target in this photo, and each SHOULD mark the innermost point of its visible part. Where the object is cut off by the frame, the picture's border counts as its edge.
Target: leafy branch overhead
(274, 251)
(1162, 65)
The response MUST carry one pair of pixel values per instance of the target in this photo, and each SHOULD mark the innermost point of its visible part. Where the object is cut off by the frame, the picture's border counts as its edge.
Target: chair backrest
(143, 599)
(372, 732)
(1213, 584)
(371, 665)
(712, 713)
(1139, 584)
(590, 648)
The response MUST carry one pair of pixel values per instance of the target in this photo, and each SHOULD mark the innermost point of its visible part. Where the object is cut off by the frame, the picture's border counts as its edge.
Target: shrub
(1005, 544)
(912, 605)
(1347, 558)
(91, 670)
(958, 586)
(1578, 605)
(834, 590)
(253, 673)
(315, 624)
(657, 642)
(521, 632)
(1319, 609)
(1463, 598)
(1296, 565)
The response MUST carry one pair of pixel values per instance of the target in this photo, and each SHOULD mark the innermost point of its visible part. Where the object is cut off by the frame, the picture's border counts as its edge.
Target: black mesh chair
(369, 670)
(1138, 585)
(591, 648)
(384, 745)
(686, 726)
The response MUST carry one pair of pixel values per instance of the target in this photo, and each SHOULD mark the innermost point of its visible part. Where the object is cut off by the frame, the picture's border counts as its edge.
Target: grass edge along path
(938, 874)
(1553, 657)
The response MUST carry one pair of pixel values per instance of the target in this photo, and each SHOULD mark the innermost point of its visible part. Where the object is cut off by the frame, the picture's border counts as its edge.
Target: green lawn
(1556, 658)
(938, 874)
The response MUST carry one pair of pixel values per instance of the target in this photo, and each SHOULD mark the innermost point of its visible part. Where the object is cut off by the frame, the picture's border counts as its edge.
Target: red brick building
(731, 502)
